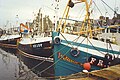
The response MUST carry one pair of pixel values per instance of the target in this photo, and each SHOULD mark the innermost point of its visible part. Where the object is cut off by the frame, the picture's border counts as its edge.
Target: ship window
(113, 30)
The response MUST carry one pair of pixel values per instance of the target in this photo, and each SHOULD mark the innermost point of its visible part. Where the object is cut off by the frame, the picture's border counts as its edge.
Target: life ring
(75, 52)
(57, 40)
(108, 57)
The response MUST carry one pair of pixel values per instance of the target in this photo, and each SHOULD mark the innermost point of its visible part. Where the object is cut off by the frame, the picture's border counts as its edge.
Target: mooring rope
(95, 47)
(51, 56)
(60, 58)
(42, 62)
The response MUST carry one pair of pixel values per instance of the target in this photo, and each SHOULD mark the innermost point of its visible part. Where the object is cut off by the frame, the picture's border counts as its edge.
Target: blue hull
(64, 66)
(67, 63)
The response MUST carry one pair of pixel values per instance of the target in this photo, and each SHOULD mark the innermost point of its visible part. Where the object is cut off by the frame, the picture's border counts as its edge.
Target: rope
(64, 38)
(81, 42)
(107, 5)
(111, 48)
(106, 9)
(61, 57)
(73, 40)
(95, 47)
(42, 62)
(97, 8)
(51, 56)
(55, 62)
(35, 57)
(77, 38)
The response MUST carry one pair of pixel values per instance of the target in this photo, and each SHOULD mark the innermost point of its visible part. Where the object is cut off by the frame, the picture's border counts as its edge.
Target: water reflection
(7, 67)
(12, 68)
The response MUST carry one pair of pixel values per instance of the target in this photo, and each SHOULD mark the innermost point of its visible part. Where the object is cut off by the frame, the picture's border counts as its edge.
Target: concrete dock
(111, 73)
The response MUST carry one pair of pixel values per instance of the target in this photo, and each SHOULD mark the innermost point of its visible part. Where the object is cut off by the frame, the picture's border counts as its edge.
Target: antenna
(56, 13)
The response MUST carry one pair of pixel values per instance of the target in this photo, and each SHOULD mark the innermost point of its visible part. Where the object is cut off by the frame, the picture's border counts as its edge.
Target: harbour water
(9, 66)
(13, 68)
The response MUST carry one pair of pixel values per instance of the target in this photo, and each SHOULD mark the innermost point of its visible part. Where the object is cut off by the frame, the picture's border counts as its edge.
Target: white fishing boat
(9, 40)
(36, 42)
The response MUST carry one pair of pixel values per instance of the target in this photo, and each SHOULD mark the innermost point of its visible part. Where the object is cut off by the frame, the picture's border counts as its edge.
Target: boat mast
(65, 14)
(40, 28)
(70, 4)
(56, 14)
(87, 18)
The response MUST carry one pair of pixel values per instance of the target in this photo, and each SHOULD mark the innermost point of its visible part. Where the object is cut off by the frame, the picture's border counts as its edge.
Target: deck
(111, 73)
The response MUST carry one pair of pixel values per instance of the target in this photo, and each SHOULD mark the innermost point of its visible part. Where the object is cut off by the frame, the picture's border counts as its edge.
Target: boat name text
(37, 45)
(65, 58)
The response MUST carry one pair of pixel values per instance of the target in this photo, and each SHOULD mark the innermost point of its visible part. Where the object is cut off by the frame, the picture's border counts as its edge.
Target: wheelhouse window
(113, 30)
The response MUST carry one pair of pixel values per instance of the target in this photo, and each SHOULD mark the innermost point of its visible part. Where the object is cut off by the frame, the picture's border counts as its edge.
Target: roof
(35, 40)
(6, 37)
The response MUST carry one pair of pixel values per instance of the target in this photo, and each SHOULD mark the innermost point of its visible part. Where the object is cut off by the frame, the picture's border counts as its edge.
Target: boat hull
(42, 49)
(70, 64)
(41, 65)
(73, 62)
(38, 56)
(9, 43)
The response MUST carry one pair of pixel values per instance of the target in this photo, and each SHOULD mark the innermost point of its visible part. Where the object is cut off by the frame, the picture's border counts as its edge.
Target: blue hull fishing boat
(77, 53)
(85, 54)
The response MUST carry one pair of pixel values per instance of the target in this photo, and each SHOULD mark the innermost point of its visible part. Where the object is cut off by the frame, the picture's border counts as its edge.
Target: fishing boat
(36, 44)
(37, 52)
(79, 51)
(9, 40)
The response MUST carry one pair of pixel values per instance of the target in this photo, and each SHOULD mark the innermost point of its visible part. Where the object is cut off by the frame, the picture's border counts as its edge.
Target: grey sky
(25, 9)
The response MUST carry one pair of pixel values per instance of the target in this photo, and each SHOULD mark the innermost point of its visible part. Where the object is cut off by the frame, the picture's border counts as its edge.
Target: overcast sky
(12, 11)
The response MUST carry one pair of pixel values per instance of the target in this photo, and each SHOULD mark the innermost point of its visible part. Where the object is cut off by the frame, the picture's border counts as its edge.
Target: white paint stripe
(91, 51)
